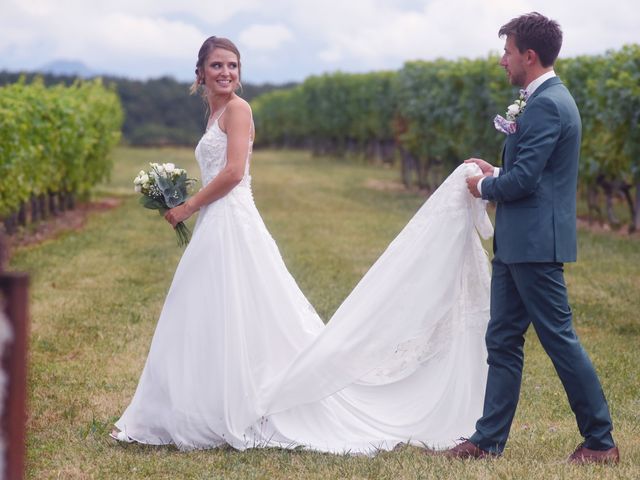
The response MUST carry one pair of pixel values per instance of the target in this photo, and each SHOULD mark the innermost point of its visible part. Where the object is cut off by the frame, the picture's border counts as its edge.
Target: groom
(535, 192)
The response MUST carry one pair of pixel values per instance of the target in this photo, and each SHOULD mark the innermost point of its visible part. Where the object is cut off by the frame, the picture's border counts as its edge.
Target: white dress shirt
(532, 87)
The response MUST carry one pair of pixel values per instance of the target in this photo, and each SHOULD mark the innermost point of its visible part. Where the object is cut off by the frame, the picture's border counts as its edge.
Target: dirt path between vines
(70, 220)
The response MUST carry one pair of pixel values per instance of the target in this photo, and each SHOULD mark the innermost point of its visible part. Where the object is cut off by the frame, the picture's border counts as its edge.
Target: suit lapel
(508, 150)
(509, 147)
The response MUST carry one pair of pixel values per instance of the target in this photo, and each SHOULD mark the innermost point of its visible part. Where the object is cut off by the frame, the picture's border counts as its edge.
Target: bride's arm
(237, 123)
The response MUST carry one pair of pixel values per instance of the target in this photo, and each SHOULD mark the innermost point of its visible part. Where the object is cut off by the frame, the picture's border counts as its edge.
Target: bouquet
(164, 187)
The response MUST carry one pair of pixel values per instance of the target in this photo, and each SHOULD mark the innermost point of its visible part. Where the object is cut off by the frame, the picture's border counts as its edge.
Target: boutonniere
(508, 125)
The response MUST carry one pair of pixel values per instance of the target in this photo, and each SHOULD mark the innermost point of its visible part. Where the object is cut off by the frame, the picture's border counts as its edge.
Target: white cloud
(265, 37)
(105, 41)
(210, 12)
(153, 37)
(37, 7)
(377, 35)
(373, 34)
(146, 36)
(332, 54)
(594, 26)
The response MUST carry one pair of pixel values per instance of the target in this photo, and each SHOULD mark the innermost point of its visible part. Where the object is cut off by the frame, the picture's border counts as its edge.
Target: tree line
(157, 111)
(433, 114)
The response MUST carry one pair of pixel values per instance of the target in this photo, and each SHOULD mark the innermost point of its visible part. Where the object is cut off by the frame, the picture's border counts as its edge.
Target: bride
(240, 357)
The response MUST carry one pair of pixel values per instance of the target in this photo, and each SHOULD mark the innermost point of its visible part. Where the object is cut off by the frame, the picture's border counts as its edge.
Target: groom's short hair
(536, 32)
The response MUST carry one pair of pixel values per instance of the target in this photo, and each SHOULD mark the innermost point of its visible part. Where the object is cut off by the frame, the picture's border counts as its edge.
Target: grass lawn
(96, 295)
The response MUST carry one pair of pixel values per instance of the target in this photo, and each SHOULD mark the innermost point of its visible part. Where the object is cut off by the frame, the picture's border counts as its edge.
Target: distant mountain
(68, 67)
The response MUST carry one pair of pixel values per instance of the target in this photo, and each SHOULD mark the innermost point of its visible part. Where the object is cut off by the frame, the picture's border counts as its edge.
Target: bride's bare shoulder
(237, 114)
(238, 105)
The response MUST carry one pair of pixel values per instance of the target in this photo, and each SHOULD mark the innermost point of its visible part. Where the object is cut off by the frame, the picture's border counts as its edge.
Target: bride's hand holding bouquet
(165, 188)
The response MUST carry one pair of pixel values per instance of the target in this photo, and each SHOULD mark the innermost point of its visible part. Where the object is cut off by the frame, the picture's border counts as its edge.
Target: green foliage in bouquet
(165, 187)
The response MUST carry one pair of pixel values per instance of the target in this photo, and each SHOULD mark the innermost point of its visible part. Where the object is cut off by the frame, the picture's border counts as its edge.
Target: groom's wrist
(496, 172)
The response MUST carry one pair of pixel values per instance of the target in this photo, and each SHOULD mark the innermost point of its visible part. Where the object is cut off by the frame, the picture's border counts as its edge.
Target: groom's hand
(485, 167)
(472, 185)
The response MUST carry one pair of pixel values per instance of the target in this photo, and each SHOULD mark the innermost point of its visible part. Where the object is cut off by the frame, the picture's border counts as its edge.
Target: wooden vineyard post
(14, 288)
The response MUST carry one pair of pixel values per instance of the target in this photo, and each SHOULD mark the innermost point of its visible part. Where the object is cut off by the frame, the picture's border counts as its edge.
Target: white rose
(142, 172)
(137, 188)
(513, 110)
(137, 181)
(160, 169)
(145, 179)
(169, 167)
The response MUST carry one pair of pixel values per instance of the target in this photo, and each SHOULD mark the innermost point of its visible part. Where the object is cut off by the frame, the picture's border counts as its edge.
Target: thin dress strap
(209, 125)
(220, 114)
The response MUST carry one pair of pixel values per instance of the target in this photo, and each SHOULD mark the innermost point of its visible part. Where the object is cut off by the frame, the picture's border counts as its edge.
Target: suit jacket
(536, 189)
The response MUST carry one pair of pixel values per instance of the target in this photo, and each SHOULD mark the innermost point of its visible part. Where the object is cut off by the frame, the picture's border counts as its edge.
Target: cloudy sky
(284, 40)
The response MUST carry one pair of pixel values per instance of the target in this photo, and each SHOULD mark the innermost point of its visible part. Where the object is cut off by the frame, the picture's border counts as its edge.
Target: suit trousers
(524, 293)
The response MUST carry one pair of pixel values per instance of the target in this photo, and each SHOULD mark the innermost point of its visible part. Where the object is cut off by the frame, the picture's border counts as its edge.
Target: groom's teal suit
(535, 233)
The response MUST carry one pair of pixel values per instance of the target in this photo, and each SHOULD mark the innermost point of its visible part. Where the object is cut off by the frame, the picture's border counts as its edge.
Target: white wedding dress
(240, 357)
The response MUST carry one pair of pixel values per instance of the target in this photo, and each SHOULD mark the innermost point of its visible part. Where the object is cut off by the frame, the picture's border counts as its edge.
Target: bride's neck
(217, 102)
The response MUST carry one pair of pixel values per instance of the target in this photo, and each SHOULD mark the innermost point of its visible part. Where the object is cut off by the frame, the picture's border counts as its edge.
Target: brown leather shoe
(583, 455)
(466, 449)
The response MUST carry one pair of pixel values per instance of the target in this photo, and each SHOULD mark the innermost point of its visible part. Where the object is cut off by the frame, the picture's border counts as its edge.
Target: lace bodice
(211, 154)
